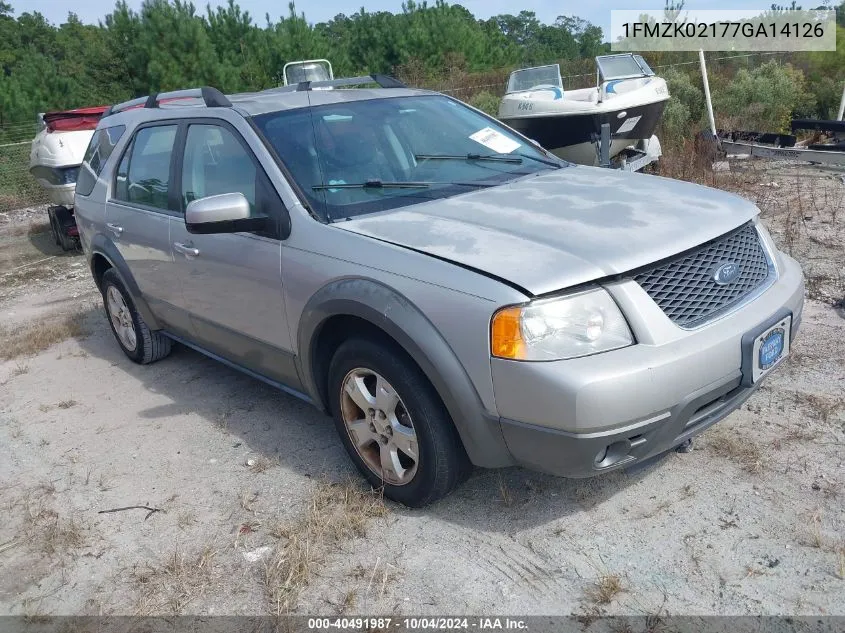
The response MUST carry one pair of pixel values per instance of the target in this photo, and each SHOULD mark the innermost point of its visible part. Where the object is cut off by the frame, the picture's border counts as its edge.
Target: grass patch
(30, 339)
(45, 531)
(820, 407)
(175, 582)
(26, 274)
(35, 227)
(605, 589)
(744, 452)
(335, 514)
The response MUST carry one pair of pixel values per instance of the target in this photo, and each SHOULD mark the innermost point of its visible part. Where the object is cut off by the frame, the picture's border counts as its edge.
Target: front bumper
(585, 416)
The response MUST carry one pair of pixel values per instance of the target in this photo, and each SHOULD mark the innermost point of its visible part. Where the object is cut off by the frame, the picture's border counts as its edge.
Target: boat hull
(570, 135)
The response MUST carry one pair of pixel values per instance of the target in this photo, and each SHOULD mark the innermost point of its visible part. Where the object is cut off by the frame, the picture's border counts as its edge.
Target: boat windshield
(356, 157)
(529, 78)
(306, 71)
(622, 67)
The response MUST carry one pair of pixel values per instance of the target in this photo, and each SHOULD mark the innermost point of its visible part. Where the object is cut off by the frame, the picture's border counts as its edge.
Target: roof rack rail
(212, 98)
(385, 81)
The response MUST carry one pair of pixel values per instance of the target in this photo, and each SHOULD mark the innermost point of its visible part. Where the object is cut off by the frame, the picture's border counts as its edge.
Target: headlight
(556, 329)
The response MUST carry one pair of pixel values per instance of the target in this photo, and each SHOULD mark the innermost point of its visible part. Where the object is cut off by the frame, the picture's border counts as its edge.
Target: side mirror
(223, 213)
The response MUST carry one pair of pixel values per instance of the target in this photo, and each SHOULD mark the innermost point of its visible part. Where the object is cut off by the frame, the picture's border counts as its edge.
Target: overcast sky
(596, 11)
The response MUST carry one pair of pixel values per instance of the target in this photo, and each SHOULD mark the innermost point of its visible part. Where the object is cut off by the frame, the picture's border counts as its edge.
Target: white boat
(628, 96)
(58, 148)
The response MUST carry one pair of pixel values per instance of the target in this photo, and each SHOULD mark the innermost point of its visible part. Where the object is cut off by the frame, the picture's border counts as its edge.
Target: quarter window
(215, 162)
(143, 176)
(98, 152)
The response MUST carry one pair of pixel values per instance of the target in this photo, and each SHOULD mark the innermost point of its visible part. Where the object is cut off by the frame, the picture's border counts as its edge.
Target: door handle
(186, 249)
(114, 228)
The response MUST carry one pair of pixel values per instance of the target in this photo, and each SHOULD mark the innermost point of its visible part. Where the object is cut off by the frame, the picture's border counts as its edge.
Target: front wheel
(393, 424)
(136, 339)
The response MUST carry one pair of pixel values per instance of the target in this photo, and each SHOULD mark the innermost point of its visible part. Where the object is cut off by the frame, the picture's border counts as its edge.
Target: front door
(232, 282)
(138, 217)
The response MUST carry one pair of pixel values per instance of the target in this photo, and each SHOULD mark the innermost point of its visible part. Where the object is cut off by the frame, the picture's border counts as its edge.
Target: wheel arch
(357, 306)
(105, 256)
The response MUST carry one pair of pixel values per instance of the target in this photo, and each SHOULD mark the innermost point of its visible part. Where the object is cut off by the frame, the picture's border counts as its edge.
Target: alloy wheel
(121, 318)
(379, 426)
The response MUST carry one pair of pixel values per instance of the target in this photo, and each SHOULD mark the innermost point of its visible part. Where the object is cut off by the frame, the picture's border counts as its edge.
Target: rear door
(138, 216)
(232, 282)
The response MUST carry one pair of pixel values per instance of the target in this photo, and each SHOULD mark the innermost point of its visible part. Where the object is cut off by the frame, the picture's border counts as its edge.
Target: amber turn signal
(505, 334)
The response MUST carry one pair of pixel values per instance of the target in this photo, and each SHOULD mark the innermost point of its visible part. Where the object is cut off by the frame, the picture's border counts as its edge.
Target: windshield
(365, 156)
(296, 73)
(620, 67)
(533, 77)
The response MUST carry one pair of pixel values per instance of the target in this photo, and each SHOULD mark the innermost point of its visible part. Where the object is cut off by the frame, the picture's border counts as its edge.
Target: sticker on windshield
(494, 140)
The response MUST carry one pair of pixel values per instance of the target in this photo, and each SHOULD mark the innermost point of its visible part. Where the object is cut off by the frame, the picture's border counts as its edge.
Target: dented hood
(562, 228)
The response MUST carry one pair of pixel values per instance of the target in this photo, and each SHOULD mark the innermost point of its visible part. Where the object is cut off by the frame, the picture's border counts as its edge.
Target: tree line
(169, 44)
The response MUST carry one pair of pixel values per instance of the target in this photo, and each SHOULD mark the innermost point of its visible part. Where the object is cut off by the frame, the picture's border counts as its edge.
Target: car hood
(562, 228)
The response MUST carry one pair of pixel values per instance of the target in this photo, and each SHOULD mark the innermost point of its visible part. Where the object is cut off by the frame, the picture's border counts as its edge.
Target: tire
(54, 231)
(141, 344)
(63, 218)
(441, 462)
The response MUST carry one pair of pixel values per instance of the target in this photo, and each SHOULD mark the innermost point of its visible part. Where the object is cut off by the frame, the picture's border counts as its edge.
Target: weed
(20, 369)
(105, 482)
(746, 453)
(175, 582)
(36, 337)
(335, 514)
(504, 491)
(605, 589)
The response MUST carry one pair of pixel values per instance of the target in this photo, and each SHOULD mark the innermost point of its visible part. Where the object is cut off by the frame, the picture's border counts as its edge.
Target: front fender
(102, 246)
(395, 315)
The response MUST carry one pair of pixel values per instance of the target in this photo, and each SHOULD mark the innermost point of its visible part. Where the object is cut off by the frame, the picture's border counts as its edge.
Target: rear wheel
(393, 424)
(136, 339)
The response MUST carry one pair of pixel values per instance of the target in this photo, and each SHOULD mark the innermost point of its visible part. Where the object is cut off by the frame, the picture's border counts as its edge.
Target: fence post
(707, 91)
(841, 116)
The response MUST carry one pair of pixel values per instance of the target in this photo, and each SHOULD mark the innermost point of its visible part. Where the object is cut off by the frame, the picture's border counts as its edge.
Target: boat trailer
(783, 146)
(63, 227)
(786, 146)
(632, 158)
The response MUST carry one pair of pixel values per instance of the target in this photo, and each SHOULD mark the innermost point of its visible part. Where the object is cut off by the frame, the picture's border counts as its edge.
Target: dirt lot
(252, 507)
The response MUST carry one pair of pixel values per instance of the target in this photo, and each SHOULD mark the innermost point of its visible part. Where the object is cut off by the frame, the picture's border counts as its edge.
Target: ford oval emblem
(726, 272)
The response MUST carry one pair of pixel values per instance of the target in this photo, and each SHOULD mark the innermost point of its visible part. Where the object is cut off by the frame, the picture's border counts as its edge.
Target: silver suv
(449, 292)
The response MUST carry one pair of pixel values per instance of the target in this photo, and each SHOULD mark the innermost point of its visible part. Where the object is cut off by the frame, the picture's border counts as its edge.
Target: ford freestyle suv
(451, 293)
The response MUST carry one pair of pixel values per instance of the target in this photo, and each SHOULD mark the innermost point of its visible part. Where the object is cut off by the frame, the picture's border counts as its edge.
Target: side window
(143, 175)
(98, 152)
(215, 162)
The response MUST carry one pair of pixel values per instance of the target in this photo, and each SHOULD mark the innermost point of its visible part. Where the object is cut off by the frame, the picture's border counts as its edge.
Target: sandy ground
(750, 522)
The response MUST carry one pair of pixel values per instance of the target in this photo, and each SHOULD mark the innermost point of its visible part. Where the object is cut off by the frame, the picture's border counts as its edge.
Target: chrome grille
(685, 288)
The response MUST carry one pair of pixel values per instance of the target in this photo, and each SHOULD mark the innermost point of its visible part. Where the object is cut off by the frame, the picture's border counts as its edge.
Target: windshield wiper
(379, 184)
(497, 159)
(513, 158)
(545, 161)
(375, 184)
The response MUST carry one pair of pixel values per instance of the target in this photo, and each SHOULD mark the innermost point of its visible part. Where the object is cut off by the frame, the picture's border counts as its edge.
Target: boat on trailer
(628, 98)
(57, 150)
(55, 156)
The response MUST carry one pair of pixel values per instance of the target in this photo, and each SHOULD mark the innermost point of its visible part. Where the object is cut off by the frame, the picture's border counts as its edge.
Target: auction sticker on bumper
(770, 348)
